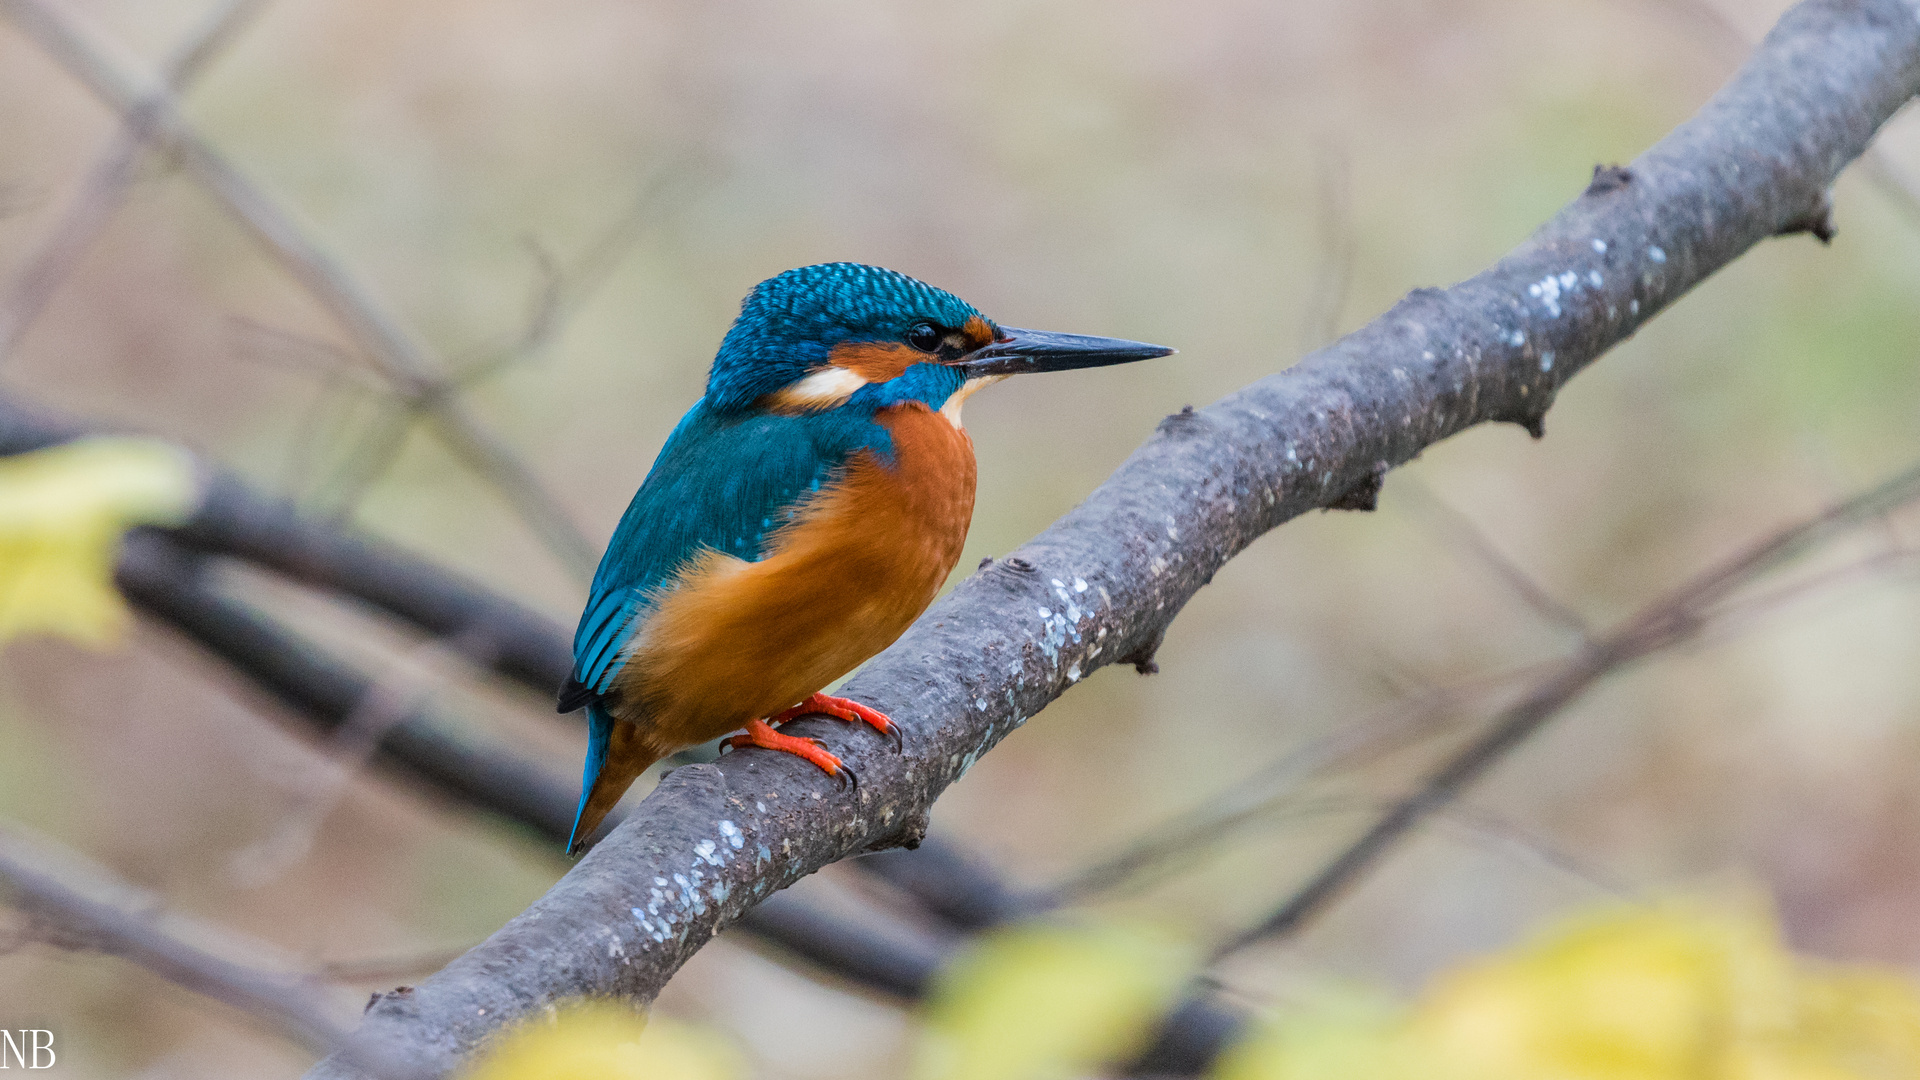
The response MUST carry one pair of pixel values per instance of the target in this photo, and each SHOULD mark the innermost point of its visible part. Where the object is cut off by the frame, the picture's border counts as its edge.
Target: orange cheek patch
(979, 333)
(876, 361)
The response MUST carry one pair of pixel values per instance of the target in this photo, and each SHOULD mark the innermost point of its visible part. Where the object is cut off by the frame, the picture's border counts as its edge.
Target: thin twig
(560, 292)
(381, 426)
(1503, 836)
(379, 969)
(126, 929)
(1669, 620)
(299, 352)
(1320, 322)
(1461, 530)
(366, 462)
(107, 183)
(564, 290)
(344, 389)
(1731, 616)
(1195, 832)
(1477, 826)
(414, 375)
(543, 317)
(352, 745)
(1276, 787)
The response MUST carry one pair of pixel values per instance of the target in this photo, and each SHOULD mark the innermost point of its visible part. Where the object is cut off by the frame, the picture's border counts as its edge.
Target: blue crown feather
(789, 324)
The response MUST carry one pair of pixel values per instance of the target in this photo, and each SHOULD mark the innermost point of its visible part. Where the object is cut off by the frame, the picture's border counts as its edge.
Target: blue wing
(723, 481)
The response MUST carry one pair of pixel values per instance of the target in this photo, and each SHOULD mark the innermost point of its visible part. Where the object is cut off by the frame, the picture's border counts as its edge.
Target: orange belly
(733, 641)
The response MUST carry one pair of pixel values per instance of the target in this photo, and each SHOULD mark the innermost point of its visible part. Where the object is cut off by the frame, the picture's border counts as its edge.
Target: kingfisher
(799, 518)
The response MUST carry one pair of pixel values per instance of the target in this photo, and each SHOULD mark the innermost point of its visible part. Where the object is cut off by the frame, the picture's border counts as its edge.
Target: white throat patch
(951, 409)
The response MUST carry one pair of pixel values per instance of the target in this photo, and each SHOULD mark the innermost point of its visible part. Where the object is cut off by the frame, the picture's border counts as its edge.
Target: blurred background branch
(1670, 620)
(107, 182)
(411, 372)
(63, 915)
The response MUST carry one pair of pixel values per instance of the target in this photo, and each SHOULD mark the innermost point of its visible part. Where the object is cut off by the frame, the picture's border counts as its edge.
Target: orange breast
(734, 640)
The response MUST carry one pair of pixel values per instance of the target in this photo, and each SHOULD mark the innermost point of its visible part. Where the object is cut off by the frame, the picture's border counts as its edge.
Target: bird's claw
(846, 709)
(843, 775)
(763, 733)
(811, 750)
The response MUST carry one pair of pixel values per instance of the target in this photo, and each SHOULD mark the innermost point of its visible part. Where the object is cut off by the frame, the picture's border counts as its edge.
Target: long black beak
(1021, 351)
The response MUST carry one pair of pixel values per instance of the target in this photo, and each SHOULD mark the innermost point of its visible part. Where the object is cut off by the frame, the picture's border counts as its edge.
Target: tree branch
(289, 1002)
(1102, 584)
(112, 174)
(166, 581)
(1669, 620)
(233, 519)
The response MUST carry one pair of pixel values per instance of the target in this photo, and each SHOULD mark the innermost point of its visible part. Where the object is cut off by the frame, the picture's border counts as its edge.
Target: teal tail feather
(599, 738)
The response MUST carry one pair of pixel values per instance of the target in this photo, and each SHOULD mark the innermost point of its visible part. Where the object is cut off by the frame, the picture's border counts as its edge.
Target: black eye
(925, 336)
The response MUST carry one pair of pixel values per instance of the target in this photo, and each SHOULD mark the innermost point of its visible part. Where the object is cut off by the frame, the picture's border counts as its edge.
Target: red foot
(759, 734)
(840, 709)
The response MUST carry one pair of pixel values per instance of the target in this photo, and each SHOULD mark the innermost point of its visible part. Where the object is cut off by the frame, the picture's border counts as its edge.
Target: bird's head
(814, 337)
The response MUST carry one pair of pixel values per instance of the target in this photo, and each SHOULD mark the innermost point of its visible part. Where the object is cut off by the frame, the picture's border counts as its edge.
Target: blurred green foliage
(605, 1041)
(1039, 1002)
(1667, 992)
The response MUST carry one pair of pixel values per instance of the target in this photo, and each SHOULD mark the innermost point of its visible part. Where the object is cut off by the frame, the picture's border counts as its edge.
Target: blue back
(723, 481)
(726, 480)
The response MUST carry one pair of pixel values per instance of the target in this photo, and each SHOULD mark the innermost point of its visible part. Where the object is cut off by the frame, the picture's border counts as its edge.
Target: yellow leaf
(1640, 993)
(1674, 992)
(1853, 1024)
(1347, 1036)
(1043, 1000)
(62, 513)
(605, 1041)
